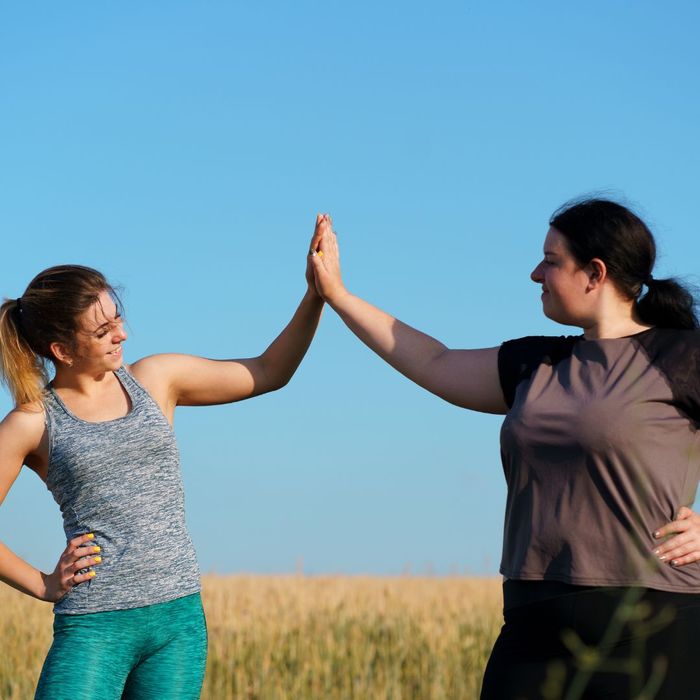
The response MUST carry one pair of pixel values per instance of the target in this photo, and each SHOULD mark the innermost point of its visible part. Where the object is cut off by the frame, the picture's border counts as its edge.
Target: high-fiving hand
(324, 257)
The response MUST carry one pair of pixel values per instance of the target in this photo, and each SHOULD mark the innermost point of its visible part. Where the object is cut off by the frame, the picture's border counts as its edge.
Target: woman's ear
(597, 274)
(62, 353)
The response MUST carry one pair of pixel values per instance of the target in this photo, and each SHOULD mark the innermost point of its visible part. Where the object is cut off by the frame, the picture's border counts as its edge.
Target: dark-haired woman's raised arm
(466, 378)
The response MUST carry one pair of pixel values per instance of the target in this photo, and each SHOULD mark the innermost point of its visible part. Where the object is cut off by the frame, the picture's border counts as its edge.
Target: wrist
(312, 296)
(44, 586)
(338, 298)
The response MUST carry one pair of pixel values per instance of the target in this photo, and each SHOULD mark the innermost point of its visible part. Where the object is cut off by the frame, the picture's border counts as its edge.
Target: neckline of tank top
(632, 336)
(70, 413)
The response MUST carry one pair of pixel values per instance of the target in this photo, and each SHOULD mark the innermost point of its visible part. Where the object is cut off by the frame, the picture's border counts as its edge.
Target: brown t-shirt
(600, 448)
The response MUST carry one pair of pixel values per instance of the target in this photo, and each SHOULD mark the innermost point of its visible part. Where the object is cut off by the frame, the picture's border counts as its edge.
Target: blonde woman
(128, 615)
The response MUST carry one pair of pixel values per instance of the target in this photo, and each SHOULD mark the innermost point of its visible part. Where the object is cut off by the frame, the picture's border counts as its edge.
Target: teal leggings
(156, 652)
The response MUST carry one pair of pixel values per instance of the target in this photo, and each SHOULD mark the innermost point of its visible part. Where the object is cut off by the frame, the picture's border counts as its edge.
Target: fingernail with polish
(98, 560)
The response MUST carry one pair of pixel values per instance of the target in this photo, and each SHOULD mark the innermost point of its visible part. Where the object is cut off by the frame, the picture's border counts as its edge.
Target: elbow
(274, 381)
(273, 377)
(277, 384)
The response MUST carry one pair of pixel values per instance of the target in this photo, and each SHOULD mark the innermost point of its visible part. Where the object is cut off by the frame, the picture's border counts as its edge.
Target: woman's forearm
(408, 350)
(286, 352)
(17, 573)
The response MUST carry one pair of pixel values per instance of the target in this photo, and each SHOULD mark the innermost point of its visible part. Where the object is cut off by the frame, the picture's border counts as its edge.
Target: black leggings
(596, 643)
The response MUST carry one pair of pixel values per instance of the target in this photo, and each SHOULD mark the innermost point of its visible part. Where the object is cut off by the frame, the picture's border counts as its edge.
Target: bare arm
(467, 378)
(21, 440)
(196, 381)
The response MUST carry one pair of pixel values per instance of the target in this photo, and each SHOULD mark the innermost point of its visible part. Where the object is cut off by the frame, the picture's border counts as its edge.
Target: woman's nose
(536, 274)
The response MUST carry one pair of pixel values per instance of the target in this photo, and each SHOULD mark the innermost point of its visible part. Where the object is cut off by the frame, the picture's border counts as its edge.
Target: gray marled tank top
(120, 479)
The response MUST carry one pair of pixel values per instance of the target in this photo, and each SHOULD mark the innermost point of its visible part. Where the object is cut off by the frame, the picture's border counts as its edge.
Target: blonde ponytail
(21, 369)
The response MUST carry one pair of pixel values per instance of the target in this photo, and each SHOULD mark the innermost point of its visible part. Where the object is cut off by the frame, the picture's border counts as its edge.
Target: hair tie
(17, 311)
(649, 279)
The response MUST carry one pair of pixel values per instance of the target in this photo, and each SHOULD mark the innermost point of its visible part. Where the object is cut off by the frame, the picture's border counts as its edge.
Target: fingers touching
(324, 225)
(324, 259)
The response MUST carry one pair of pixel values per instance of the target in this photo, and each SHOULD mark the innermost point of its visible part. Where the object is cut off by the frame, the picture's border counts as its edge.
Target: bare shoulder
(155, 370)
(157, 364)
(23, 428)
(26, 418)
(158, 375)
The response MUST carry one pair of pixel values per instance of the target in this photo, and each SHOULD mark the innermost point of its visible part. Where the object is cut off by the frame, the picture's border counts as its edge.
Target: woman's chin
(114, 363)
(554, 314)
(559, 317)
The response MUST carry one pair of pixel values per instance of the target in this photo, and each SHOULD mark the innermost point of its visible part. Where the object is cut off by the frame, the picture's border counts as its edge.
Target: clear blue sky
(184, 149)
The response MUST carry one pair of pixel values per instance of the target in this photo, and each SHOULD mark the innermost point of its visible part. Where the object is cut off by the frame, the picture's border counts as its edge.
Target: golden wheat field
(299, 637)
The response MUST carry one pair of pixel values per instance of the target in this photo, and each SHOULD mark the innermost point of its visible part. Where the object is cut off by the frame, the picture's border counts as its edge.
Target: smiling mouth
(116, 352)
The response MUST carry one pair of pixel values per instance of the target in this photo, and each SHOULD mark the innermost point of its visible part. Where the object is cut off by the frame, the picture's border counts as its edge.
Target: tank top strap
(54, 410)
(49, 401)
(139, 395)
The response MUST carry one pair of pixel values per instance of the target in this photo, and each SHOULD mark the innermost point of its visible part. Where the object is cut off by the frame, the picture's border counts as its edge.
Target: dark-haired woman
(600, 449)
(129, 620)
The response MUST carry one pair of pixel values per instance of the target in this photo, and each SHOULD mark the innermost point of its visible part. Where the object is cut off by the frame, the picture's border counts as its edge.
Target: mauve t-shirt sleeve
(518, 359)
